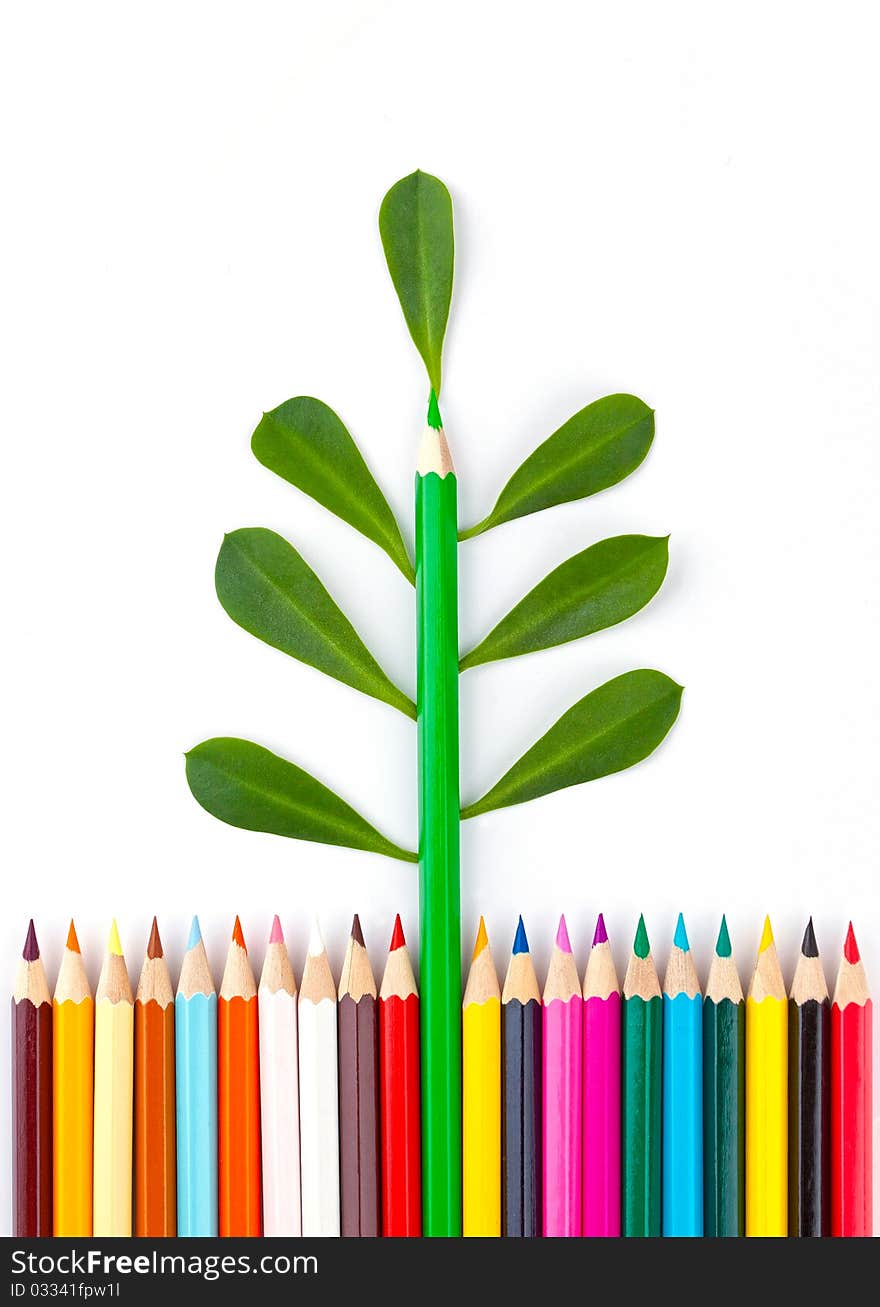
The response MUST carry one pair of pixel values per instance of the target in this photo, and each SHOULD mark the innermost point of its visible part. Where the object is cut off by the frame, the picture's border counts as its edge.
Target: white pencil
(318, 1093)
(279, 1091)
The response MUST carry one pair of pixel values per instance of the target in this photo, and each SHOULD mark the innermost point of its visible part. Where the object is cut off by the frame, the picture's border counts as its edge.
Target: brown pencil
(358, 1092)
(31, 1096)
(155, 1178)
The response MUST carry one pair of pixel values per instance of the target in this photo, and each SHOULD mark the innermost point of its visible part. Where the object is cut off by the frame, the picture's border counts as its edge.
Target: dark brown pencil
(31, 1096)
(809, 1095)
(358, 1093)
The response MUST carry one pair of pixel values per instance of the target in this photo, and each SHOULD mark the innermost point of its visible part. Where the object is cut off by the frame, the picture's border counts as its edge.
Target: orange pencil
(238, 1064)
(155, 1174)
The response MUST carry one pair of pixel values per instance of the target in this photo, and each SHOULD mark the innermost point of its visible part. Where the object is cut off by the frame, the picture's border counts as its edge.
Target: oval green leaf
(306, 443)
(593, 450)
(268, 588)
(599, 587)
(415, 223)
(607, 731)
(245, 785)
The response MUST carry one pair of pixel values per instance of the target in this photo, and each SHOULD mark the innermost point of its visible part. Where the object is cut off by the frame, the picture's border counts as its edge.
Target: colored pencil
(436, 516)
(238, 1095)
(114, 1083)
(195, 1010)
(642, 1034)
(318, 1093)
(562, 1094)
(155, 1155)
(400, 1120)
(851, 1098)
(73, 1078)
(682, 1092)
(31, 1096)
(602, 1018)
(767, 1095)
(724, 1089)
(809, 1096)
(522, 1126)
(359, 1185)
(481, 1093)
(279, 1090)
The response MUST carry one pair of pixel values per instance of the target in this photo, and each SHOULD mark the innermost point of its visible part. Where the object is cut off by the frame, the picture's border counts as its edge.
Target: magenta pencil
(601, 1133)
(563, 1085)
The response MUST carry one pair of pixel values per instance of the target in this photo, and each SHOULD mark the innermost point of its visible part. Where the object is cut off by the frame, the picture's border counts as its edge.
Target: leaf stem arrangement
(268, 588)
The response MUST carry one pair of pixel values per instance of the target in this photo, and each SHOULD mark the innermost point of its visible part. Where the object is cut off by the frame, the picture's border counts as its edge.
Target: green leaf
(245, 785)
(597, 588)
(415, 223)
(593, 450)
(306, 443)
(607, 731)
(269, 589)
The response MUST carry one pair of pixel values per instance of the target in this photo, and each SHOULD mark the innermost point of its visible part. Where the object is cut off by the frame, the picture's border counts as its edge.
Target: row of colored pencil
(258, 1112)
(591, 1112)
(585, 1111)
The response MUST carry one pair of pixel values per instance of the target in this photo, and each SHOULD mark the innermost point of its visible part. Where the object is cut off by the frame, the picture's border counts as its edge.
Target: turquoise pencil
(682, 1092)
(196, 1065)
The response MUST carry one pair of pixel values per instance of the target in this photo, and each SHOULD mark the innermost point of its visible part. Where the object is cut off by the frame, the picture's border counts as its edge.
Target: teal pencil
(682, 1092)
(196, 1065)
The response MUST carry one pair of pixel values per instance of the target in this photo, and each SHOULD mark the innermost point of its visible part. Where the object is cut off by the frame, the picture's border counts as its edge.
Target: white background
(678, 200)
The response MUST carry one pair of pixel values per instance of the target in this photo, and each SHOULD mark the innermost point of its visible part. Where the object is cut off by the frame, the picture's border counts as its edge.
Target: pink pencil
(563, 1081)
(601, 1164)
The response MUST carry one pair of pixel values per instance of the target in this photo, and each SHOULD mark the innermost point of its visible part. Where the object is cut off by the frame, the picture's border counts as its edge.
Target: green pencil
(642, 1081)
(439, 888)
(724, 1088)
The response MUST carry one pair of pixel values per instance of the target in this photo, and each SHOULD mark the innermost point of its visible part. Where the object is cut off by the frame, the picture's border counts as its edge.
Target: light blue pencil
(196, 1060)
(682, 1092)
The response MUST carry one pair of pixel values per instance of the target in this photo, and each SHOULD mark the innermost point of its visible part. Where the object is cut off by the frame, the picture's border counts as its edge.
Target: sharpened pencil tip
(809, 947)
(397, 936)
(434, 418)
(72, 941)
(681, 936)
(31, 950)
(238, 935)
(316, 941)
(641, 943)
(766, 936)
(195, 934)
(520, 941)
(482, 940)
(600, 934)
(276, 934)
(154, 946)
(722, 944)
(356, 933)
(115, 944)
(562, 940)
(851, 948)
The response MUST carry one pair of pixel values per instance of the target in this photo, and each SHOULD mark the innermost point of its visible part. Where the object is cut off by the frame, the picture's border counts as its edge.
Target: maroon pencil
(358, 1093)
(31, 1096)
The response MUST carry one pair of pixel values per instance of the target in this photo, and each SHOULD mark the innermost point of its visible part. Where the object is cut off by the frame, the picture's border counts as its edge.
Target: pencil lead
(276, 934)
(681, 936)
(600, 934)
(238, 935)
(195, 934)
(641, 945)
(356, 933)
(316, 942)
(809, 947)
(115, 944)
(154, 947)
(397, 937)
(482, 940)
(72, 942)
(562, 940)
(434, 418)
(722, 946)
(31, 950)
(851, 948)
(766, 937)
(520, 942)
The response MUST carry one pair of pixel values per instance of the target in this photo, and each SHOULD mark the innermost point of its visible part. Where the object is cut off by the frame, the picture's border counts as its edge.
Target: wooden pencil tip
(722, 945)
(72, 942)
(31, 950)
(238, 935)
(600, 934)
(316, 942)
(641, 943)
(482, 940)
(114, 944)
(766, 936)
(809, 947)
(434, 418)
(276, 934)
(195, 934)
(154, 947)
(520, 943)
(397, 939)
(562, 940)
(356, 933)
(681, 936)
(850, 948)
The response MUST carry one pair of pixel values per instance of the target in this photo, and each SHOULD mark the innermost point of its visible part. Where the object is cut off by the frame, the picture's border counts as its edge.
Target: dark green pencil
(642, 1088)
(724, 1087)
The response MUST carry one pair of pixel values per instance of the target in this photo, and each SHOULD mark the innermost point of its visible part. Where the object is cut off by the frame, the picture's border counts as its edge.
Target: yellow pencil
(481, 1071)
(114, 1065)
(767, 1095)
(73, 1039)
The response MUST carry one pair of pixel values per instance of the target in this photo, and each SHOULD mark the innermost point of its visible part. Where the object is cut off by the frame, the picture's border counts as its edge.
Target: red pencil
(851, 1085)
(31, 1096)
(399, 1093)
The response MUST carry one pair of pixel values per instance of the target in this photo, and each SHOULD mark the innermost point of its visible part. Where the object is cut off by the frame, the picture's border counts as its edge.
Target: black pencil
(521, 1101)
(809, 1095)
